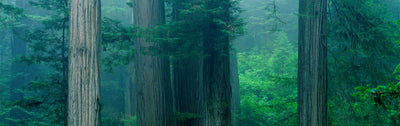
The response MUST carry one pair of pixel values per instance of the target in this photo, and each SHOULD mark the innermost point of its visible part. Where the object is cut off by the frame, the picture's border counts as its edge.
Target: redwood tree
(84, 60)
(202, 72)
(216, 69)
(151, 71)
(188, 65)
(312, 63)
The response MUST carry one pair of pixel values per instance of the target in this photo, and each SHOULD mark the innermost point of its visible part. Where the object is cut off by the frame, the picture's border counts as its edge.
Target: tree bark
(130, 95)
(235, 101)
(216, 70)
(189, 90)
(312, 63)
(217, 85)
(188, 70)
(130, 90)
(84, 61)
(152, 73)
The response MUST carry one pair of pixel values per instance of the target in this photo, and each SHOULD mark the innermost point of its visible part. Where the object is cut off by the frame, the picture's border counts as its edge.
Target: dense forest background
(362, 54)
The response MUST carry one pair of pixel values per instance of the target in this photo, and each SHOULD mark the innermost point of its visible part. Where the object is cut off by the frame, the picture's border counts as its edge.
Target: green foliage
(190, 28)
(117, 44)
(4, 95)
(268, 84)
(46, 95)
(46, 99)
(9, 13)
(362, 50)
(130, 120)
(113, 98)
(117, 10)
(382, 99)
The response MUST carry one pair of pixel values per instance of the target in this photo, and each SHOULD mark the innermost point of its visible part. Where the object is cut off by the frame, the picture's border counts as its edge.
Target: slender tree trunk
(312, 71)
(152, 73)
(130, 90)
(130, 104)
(64, 57)
(235, 105)
(84, 62)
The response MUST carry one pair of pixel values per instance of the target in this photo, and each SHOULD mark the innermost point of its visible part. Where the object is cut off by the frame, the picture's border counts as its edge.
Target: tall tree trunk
(64, 57)
(84, 61)
(130, 101)
(235, 105)
(217, 84)
(18, 70)
(188, 71)
(216, 71)
(189, 90)
(152, 73)
(312, 63)
(130, 95)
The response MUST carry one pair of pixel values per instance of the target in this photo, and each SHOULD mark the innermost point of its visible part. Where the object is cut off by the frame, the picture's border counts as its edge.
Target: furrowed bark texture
(312, 65)
(152, 73)
(189, 90)
(84, 60)
(218, 88)
(216, 70)
(188, 71)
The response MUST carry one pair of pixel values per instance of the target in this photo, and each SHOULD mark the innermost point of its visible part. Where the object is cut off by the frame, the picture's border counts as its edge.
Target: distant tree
(9, 15)
(48, 46)
(18, 69)
(312, 67)
(84, 63)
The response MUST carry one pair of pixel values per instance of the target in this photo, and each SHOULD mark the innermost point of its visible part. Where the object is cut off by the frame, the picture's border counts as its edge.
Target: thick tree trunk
(188, 72)
(235, 105)
(189, 90)
(216, 71)
(152, 73)
(217, 85)
(84, 62)
(312, 71)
